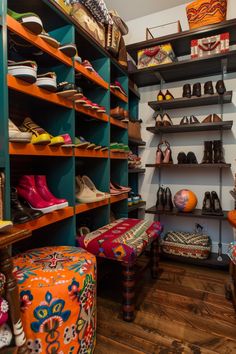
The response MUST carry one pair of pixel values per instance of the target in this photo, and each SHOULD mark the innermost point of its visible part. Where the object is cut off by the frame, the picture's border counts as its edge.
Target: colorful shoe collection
(119, 147)
(134, 199)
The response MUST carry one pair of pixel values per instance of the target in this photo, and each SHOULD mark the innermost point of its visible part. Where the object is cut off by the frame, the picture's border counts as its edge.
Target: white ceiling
(130, 9)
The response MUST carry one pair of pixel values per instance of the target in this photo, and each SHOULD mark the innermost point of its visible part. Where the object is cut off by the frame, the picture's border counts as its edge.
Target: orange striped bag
(206, 12)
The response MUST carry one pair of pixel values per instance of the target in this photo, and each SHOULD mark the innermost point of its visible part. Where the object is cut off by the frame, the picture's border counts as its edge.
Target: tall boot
(208, 153)
(218, 151)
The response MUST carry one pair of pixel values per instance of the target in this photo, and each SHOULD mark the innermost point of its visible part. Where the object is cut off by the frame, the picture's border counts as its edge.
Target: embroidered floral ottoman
(57, 287)
(124, 240)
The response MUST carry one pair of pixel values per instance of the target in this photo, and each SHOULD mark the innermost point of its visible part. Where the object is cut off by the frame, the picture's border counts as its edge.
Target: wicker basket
(206, 12)
(187, 245)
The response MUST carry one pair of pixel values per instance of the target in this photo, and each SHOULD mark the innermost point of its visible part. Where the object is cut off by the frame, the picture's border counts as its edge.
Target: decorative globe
(185, 200)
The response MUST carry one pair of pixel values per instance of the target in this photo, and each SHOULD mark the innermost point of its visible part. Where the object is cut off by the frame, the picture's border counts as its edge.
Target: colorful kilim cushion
(187, 244)
(57, 287)
(122, 240)
(232, 252)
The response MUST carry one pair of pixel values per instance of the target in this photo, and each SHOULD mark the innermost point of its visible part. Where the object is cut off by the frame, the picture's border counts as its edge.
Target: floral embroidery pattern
(25, 299)
(82, 267)
(53, 261)
(23, 273)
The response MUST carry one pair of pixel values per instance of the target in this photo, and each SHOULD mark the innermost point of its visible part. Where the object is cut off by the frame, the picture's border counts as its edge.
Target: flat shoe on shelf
(17, 136)
(92, 186)
(50, 40)
(68, 49)
(47, 81)
(29, 20)
(24, 70)
(66, 89)
(81, 143)
(84, 194)
(120, 188)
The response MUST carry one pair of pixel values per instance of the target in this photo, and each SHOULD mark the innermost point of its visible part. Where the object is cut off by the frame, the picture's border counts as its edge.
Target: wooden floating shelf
(82, 208)
(92, 76)
(136, 206)
(33, 90)
(48, 219)
(225, 125)
(118, 155)
(13, 235)
(137, 170)
(196, 213)
(136, 142)
(184, 69)
(118, 123)
(89, 112)
(119, 95)
(188, 165)
(181, 41)
(38, 150)
(118, 198)
(16, 27)
(204, 100)
(91, 153)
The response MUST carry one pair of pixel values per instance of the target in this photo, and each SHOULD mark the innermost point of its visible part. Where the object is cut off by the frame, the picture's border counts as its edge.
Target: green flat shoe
(29, 20)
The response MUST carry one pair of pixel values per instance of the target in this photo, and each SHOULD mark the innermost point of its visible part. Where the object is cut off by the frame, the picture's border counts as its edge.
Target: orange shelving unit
(93, 76)
(119, 155)
(120, 95)
(118, 123)
(16, 27)
(35, 91)
(118, 198)
(91, 153)
(39, 150)
(81, 208)
(47, 219)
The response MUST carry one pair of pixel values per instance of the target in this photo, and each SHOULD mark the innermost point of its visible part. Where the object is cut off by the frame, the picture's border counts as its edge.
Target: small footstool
(124, 240)
(57, 287)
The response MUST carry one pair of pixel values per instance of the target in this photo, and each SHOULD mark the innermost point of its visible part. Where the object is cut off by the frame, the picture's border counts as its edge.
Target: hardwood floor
(183, 312)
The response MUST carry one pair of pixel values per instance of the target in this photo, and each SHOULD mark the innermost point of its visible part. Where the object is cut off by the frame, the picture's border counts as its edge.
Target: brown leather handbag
(206, 12)
(134, 129)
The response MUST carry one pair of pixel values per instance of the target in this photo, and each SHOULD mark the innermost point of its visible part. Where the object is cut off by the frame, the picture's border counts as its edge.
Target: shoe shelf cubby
(118, 123)
(196, 213)
(99, 116)
(190, 165)
(224, 125)
(205, 100)
(119, 95)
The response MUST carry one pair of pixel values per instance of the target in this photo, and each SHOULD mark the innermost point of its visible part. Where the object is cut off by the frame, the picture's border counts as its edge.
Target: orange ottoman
(57, 287)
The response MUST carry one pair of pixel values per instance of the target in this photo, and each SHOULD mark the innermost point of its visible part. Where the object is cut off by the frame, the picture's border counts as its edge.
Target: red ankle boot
(27, 190)
(42, 188)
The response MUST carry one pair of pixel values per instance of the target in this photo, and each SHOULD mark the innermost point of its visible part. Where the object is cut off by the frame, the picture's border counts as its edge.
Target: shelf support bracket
(160, 78)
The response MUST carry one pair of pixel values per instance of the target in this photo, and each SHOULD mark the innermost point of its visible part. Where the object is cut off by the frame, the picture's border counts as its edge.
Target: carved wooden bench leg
(155, 258)
(12, 296)
(128, 291)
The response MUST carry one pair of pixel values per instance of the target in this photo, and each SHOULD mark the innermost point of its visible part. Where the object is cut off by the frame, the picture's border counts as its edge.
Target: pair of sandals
(116, 189)
(164, 157)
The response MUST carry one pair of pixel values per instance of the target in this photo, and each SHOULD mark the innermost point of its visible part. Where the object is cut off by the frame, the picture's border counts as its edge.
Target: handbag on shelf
(206, 12)
(186, 244)
(134, 129)
(210, 45)
(158, 55)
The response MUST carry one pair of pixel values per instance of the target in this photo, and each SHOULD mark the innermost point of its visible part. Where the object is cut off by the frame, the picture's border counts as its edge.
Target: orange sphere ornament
(185, 200)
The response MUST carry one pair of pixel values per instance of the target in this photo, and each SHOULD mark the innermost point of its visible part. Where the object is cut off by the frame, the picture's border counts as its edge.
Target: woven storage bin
(187, 244)
(206, 12)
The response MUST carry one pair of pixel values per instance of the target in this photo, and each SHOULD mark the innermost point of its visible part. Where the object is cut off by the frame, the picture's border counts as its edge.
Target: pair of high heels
(164, 156)
(163, 120)
(211, 204)
(164, 97)
(191, 120)
(164, 199)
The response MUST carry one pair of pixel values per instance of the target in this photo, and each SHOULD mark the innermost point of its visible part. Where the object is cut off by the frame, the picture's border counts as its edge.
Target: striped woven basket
(186, 244)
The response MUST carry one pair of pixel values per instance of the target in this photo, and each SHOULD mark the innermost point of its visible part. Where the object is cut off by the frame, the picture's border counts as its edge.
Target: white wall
(198, 180)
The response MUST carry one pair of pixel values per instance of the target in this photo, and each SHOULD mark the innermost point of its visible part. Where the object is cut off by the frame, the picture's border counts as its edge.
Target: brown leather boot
(208, 119)
(218, 151)
(216, 118)
(208, 153)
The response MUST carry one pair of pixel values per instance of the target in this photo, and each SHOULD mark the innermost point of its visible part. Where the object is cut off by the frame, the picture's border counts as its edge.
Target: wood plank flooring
(183, 312)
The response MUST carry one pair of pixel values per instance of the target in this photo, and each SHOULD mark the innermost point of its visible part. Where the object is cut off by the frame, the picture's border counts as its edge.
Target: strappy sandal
(167, 154)
(159, 154)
